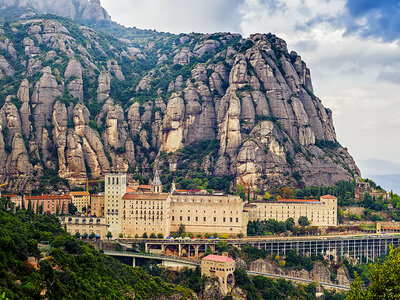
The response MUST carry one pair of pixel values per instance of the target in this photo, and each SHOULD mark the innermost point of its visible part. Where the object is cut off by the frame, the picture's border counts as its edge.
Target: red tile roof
(48, 197)
(145, 187)
(218, 258)
(297, 200)
(328, 197)
(129, 189)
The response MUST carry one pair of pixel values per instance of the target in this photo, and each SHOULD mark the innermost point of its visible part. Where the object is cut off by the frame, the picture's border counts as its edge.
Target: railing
(336, 286)
(151, 256)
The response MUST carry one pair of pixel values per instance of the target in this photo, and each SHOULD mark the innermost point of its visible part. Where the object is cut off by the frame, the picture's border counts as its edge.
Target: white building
(115, 189)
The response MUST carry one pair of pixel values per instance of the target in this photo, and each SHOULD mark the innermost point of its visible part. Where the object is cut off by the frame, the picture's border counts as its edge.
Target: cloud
(176, 16)
(372, 18)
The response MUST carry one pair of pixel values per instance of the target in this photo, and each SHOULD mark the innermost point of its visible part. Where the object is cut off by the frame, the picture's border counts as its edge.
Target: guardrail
(152, 256)
(336, 286)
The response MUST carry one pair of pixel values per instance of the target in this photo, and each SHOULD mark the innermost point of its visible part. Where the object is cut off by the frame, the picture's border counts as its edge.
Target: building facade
(204, 213)
(221, 267)
(97, 205)
(319, 213)
(145, 213)
(115, 189)
(16, 199)
(87, 225)
(52, 204)
(81, 200)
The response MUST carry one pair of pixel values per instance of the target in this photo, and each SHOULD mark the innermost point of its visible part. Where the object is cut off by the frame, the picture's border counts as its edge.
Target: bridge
(180, 262)
(367, 247)
(166, 261)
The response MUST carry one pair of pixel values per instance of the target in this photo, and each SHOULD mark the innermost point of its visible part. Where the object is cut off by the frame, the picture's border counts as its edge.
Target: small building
(221, 267)
(16, 199)
(52, 204)
(87, 225)
(97, 205)
(81, 200)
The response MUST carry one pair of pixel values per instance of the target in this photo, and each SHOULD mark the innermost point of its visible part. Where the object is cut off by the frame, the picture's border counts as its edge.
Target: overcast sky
(351, 46)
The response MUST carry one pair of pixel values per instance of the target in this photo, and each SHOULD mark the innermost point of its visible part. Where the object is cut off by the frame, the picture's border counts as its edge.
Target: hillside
(70, 269)
(77, 102)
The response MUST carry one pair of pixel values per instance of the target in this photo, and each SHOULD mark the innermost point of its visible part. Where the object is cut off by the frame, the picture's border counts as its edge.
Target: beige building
(88, 225)
(147, 210)
(115, 189)
(319, 213)
(221, 267)
(145, 213)
(97, 205)
(81, 200)
(16, 199)
(200, 214)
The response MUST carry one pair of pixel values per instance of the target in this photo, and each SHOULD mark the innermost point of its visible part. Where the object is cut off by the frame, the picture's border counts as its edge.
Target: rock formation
(80, 104)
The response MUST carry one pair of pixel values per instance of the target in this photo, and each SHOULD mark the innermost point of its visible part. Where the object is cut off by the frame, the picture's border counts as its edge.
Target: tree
(92, 236)
(77, 235)
(160, 236)
(72, 208)
(153, 235)
(109, 235)
(266, 196)
(239, 190)
(303, 221)
(384, 279)
(289, 223)
(181, 229)
(145, 236)
(221, 246)
(120, 236)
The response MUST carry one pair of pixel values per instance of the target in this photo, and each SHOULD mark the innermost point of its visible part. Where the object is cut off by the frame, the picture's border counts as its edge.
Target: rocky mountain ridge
(79, 10)
(78, 103)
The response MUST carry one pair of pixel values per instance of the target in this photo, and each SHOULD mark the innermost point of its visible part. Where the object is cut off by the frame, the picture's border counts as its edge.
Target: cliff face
(82, 10)
(78, 103)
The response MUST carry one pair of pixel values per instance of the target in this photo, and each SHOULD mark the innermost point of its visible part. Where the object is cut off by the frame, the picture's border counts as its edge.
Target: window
(215, 219)
(224, 219)
(204, 219)
(188, 218)
(180, 218)
(197, 218)
(173, 218)
(237, 220)
(230, 219)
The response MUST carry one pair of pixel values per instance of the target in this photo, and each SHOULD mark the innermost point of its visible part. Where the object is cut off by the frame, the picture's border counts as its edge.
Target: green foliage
(325, 144)
(303, 221)
(64, 270)
(260, 287)
(384, 279)
(344, 191)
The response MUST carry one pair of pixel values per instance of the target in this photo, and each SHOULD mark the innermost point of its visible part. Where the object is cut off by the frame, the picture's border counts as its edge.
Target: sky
(351, 46)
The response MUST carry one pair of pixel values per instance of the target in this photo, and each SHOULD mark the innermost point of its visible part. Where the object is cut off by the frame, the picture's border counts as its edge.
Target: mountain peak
(78, 10)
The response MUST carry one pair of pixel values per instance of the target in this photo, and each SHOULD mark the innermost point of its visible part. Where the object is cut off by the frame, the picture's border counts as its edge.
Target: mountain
(207, 109)
(78, 10)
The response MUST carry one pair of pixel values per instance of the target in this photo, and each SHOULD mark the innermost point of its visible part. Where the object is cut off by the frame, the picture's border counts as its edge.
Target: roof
(79, 193)
(145, 187)
(48, 197)
(129, 189)
(145, 196)
(9, 195)
(297, 200)
(218, 258)
(328, 197)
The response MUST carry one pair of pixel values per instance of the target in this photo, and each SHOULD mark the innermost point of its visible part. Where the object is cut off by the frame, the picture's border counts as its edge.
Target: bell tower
(156, 185)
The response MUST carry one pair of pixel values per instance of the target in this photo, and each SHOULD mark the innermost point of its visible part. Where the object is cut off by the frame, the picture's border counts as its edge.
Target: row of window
(196, 219)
